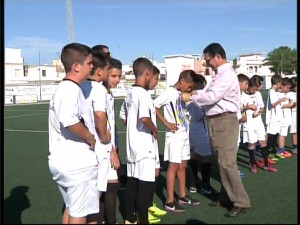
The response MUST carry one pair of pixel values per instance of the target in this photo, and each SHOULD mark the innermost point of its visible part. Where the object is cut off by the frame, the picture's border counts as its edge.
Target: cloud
(32, 46)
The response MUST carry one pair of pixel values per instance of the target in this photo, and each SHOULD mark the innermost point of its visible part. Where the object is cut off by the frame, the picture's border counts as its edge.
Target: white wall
(175, 64)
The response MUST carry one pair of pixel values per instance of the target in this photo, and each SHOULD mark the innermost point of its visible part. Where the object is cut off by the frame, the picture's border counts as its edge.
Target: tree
(282, 60)
(234, 64)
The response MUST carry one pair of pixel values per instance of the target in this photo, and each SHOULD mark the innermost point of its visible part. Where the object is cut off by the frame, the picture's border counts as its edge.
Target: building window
(17, 72)
(255, 69)
(250, 69)
(44, 73)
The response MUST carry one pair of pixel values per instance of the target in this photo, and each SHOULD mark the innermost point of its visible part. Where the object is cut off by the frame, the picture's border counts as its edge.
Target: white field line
(10, 117)
(43, 131)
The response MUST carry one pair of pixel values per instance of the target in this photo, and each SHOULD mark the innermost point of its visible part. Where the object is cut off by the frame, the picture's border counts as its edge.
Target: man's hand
(186, 97)
(114, 159)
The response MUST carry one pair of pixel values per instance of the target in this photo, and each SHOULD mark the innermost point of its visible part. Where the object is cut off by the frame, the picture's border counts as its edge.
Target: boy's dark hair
(156, 70)
(115, 63)
(215, 48)
(275, 79)
(242, 77)
(286, 81)
(99, 61)
(294, 83)
(140, 65)
(256, 80)
(74, 53)
(201, 83)
(100, 48)
(190, 76)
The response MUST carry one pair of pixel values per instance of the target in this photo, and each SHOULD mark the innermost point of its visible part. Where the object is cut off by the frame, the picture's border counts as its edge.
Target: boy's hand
(114, 159)
(172, 127)
(91, 142)
(186, 97)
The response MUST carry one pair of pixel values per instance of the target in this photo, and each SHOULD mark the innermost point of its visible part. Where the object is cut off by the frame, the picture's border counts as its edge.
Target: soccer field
(31, 196)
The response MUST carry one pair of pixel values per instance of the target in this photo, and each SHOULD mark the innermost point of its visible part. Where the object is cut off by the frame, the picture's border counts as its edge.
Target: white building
(251, 64)
(14, 65)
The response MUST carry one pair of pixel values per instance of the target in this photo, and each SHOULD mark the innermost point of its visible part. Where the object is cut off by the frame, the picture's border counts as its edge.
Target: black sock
(142, 200)
(251, 156)
(205, 172)
(130, 199)
(265, 153)
(111, 202)
(152, 191)
(102, 207)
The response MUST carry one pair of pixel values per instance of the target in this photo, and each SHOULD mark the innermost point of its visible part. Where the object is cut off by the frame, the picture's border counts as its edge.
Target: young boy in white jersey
(273, 116)
(292, 95)
(141, 144)
(72, 139)
(254, 129)
(258, 82)
(108, 201)
(177, 146)
(286, 121)
(96, 95)
(153, 211)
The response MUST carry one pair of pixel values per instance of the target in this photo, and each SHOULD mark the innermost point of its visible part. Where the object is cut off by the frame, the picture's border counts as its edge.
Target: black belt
(219, 115)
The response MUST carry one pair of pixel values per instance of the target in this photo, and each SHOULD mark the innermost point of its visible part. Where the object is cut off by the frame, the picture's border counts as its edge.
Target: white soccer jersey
(273, 114)
(286, 112)
(111, 117)
(253, 122)
(68, 107)
(140, 143)
(96, 95)
(176, 114)
(293, 98)
(260, 99)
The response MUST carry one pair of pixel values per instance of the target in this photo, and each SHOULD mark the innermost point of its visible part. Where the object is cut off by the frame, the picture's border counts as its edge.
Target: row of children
(280, 117)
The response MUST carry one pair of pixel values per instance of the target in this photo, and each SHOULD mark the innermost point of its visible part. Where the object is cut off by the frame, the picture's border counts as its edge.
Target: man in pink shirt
(221, 101)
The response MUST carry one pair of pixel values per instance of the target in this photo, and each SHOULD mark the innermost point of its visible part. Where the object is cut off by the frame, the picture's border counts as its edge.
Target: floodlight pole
(40, 78)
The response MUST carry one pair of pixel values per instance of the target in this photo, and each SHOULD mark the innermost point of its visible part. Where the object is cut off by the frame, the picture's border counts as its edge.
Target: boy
(201, 152)
(177, 146)
(72, 138)
(274, 115)
(292, 95)
(153, 211)
(253, 128)
(286, 121)
(141, 144)
(109, 199)
(96, 95)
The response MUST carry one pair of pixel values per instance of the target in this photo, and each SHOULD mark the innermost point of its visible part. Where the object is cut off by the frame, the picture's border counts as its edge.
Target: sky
(151, 28)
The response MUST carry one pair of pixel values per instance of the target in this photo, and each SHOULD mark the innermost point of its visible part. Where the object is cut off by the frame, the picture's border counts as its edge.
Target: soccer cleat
(242, 174)
(270, 168)
(193, 189)
(254, 168)
(271, 161)
(287, 154)
(153, 219)
(188, 200)
(260, 164)
(280, 155)
(174, 207)
(206, 189)
(273, 157)
(157, 211)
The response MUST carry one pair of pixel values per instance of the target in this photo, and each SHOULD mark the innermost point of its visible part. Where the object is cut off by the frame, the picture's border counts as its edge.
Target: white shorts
(273, 128)
(283, 131)
(112, 174)
(143, 170)
(82, 200)
(176, 149)
(103, 172)
(252, 136)
(293, 127)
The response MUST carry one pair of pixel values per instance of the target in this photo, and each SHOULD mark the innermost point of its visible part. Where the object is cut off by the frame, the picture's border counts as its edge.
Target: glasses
(208, 60)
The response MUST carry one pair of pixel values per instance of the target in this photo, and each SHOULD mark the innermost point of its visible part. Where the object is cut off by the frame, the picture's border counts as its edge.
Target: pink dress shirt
(222, 94)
